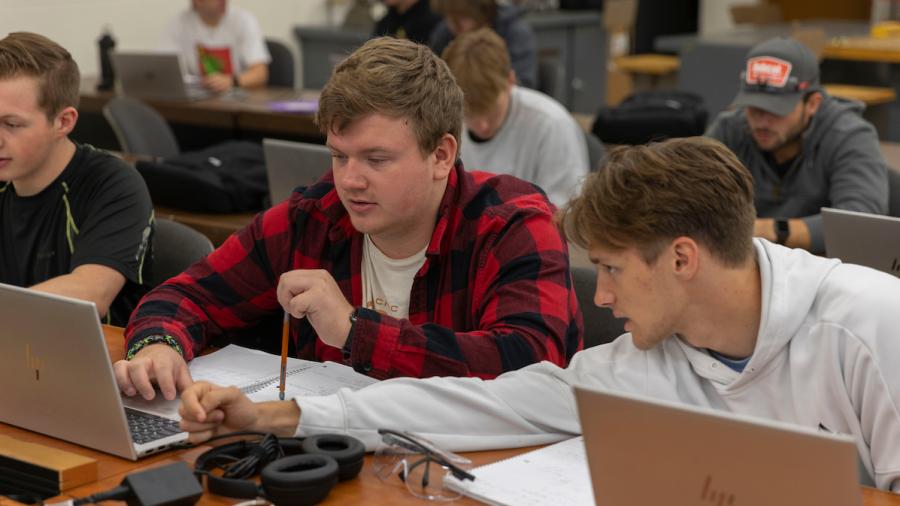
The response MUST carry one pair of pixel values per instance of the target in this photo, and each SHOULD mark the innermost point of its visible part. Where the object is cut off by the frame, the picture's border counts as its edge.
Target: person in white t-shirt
(511, 129)
(222, 45)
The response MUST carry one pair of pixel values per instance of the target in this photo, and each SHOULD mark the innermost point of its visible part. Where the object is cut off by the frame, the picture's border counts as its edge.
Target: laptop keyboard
(146, 427)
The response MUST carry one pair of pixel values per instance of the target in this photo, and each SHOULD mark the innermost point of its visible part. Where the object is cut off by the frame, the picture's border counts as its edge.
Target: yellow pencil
(285, 330)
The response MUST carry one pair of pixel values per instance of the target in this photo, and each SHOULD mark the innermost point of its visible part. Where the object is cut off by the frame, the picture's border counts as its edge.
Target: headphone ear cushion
(299, 480)
(348, 451)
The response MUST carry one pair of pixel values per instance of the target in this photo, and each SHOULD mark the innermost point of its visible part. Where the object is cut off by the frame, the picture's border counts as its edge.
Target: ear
(65, 121)
(685, 257)
(511, 80)
(444, 156)
(813, 103)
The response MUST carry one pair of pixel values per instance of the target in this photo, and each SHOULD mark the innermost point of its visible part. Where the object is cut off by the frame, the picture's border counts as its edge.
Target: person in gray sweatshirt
(805, 149)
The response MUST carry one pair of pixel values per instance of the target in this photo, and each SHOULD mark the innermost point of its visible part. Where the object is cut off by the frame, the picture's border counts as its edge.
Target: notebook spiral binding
(263, 383)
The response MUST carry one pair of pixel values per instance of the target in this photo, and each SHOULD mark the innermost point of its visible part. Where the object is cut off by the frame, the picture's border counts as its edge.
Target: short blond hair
(484, 12)
(396, 78)
(646, 196)
(32, 55)
(480, 62)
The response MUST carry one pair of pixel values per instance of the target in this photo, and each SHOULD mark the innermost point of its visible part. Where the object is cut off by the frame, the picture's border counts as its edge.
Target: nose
(351, 176)
(602, 296)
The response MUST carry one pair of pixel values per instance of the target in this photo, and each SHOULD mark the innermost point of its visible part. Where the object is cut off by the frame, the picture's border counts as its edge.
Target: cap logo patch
(768, 70)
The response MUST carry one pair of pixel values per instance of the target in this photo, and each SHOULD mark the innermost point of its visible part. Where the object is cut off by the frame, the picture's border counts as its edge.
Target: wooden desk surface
(366, 488)
(248, 111)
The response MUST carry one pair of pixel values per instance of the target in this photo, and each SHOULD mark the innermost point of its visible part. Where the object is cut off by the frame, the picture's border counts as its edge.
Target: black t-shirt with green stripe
(98, 211)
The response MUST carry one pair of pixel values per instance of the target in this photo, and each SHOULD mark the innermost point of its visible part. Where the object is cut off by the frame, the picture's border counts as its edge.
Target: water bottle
(106, 44)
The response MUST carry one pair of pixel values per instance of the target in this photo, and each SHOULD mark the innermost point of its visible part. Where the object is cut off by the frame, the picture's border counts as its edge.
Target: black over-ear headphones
(293, 472)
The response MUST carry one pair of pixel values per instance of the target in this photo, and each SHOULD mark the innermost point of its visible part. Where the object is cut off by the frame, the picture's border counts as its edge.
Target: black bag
(225, 178)
(651, 115)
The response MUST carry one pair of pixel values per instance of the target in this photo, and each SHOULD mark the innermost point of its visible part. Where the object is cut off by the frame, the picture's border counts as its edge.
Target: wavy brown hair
(396, 78)
(32, 55)
(645, 196)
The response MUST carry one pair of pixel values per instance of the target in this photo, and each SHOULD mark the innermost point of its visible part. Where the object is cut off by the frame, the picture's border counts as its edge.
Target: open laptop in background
(57, 378)
(643, 451)
(292, 164)
(865, 239)
(155, 76)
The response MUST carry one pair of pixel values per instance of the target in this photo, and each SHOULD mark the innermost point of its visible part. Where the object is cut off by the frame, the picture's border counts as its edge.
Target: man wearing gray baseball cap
(805, 149)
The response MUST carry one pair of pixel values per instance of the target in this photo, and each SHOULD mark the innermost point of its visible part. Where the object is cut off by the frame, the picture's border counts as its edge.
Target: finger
(190, 407)
(120, 369)
(165, 378)
(299, 306)
(137, 370)
(199, 437)
(218, 397)
(194, 426)
(183, 378)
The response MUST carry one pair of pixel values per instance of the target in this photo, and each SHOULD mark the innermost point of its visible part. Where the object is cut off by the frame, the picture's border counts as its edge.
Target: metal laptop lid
(865, 239)
(292, 164)
(153, 76)
(643, 451)
(55, 371)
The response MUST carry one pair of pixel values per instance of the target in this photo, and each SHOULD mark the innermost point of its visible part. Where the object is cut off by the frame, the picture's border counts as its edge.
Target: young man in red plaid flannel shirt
(398, 262)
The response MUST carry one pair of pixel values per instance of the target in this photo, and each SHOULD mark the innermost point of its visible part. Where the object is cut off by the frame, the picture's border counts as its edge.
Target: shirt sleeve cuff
(320, 415)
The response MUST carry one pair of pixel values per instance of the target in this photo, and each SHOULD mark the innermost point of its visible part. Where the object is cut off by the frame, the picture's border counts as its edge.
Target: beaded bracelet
(154, 339)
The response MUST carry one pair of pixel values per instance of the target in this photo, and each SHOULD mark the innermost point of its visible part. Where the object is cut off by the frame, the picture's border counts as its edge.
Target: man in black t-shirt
(74, 220)
(408, 19)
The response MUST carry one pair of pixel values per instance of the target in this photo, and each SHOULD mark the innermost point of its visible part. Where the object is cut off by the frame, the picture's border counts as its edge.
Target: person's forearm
(254, 77)
(799, 233)
(278, 417)
(94, 283)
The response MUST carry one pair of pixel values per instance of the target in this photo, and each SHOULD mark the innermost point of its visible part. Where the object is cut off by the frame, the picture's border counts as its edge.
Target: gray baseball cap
(777, 73)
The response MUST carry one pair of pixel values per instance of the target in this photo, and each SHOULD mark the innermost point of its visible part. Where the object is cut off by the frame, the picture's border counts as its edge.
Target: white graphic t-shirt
(387, 282)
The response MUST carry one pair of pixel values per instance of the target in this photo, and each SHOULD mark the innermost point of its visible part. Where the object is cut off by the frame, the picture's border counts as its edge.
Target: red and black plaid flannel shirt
(494, 294)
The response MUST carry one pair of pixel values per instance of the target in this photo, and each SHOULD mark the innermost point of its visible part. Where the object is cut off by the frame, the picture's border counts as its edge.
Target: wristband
(154, 339)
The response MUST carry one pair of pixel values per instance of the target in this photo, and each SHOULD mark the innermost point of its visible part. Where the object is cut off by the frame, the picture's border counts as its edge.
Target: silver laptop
(865, 239)
(643, 451)
(292, 164)
(155, 76)
(58, 380)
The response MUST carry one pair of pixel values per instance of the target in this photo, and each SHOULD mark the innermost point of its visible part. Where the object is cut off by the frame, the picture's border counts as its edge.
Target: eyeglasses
(420, 464)
(793, 85)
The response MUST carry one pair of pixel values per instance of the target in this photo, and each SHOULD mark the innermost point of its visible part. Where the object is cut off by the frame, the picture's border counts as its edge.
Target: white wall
(136, 24)
(715, 15)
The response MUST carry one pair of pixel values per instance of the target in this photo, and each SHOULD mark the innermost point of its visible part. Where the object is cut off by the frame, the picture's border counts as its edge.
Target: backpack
(651, 115)
(225, 178)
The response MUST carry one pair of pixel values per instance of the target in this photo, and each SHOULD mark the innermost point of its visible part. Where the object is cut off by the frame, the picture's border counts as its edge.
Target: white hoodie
(828, 334)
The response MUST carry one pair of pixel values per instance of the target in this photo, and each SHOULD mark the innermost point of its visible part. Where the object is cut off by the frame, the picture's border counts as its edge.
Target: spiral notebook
(256, 373)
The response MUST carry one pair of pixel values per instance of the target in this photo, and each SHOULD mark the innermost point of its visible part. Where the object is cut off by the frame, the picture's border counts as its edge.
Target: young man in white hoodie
(715, 319)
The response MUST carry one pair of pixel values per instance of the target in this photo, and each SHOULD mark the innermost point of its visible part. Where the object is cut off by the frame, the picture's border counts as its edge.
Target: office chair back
(596, 150)
(139, 129)
(175, 248)
(600, 327)
(281, 68)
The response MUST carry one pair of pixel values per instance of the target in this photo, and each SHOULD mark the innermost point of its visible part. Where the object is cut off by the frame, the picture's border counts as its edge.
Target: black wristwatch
(782, 230)
(348, 344)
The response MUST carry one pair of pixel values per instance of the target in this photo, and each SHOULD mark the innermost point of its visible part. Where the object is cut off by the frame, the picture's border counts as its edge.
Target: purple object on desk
(295, 106)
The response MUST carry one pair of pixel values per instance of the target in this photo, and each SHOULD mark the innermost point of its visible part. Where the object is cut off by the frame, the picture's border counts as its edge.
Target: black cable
(114, 494)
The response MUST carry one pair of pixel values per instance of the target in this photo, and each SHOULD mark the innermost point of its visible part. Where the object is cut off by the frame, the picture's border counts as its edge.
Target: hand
(208, 410)
(218, 83)
(158, 363)
(315, 295)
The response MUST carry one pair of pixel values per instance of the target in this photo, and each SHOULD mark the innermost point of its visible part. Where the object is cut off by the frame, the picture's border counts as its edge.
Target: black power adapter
(170, 485)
